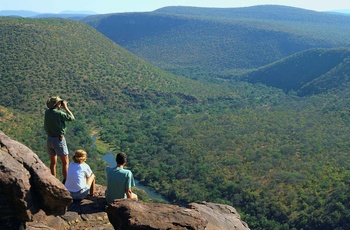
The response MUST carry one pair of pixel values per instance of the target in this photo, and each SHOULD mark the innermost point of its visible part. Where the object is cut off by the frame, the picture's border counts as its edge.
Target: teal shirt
(55, 122)
(118, 179)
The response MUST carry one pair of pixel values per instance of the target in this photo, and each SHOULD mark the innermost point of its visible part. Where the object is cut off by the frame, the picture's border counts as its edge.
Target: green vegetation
(40, 58)
(210, 43)
(308, 72)
(280, 159)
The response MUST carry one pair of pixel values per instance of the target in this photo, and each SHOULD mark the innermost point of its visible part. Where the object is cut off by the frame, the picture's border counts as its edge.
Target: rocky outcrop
(88, 213)
(129, 214)
(132, 215)
(31, 198)
(219, 216)
(27, 186)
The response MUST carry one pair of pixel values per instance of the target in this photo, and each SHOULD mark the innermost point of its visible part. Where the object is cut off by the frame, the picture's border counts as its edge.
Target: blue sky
(117, 6)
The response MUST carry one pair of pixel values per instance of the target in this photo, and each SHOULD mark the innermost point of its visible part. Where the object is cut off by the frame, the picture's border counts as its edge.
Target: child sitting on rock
(80, 179)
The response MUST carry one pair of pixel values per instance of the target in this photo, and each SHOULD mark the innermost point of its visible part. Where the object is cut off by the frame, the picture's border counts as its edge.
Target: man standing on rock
(119, 181)
(55, 127)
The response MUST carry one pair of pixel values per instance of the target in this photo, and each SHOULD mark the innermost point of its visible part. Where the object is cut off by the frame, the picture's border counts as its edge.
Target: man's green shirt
(118, 179)
(55, 122)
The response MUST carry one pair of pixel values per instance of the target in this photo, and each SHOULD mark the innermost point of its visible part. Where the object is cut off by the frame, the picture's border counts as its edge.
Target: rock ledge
(31, 198)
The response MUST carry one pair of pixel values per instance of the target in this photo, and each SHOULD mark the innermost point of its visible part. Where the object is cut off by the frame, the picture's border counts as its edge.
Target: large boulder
(26, 185)
(131, 215)
(219, 216)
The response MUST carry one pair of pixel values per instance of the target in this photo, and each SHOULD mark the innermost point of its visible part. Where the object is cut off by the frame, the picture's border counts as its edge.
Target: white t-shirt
(76, 177)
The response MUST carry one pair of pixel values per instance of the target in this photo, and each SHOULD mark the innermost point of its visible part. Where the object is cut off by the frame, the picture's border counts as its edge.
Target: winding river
(150, 192)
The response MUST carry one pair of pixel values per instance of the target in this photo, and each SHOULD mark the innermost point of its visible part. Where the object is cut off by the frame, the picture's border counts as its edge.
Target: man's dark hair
(121, 158)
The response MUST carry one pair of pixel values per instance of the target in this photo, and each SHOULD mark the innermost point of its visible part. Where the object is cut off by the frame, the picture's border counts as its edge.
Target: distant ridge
(63, 14)
(77, 12)
(76, 17)
(260, 12)
(22, 13)
(199, 42)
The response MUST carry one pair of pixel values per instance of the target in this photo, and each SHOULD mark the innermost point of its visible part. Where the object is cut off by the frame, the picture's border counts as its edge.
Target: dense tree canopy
(280, 159)
(210, 43)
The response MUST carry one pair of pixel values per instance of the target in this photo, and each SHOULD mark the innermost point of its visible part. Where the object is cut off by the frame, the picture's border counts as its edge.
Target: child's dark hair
(121, 158)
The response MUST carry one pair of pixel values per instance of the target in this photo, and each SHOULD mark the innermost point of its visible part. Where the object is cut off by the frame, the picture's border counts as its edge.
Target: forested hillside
(41, 58)
(209, 42)
(281, 160)
(260, 12)
(308, 72)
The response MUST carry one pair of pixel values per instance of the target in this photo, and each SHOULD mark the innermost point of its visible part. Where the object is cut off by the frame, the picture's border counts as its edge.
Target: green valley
(264, 130)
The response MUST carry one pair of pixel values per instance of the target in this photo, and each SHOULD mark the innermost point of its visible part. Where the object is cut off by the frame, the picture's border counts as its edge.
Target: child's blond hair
(79, 156)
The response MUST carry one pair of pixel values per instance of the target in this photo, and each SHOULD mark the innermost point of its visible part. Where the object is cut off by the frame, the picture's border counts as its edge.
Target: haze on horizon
(117, 6)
